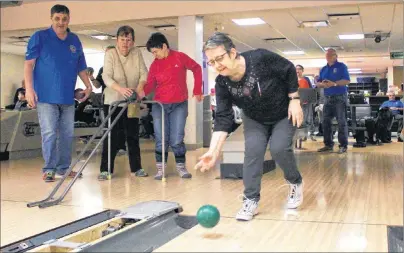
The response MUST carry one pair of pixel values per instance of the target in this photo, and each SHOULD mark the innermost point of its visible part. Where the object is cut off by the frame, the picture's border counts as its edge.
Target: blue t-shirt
(338, 71)
(58, 62)
(393, 103)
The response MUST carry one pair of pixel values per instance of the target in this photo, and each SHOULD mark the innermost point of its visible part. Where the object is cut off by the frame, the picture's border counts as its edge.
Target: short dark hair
(90, 70)
(298, 65)
(125, 31)
(58, 8)
(22, 92)
(157, 40)
(219, 39)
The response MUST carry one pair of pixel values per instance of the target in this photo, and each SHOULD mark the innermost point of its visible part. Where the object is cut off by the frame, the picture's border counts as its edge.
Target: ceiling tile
(376, 17)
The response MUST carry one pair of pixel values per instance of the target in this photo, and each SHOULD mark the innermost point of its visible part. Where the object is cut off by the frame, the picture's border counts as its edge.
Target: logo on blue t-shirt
(73, 49)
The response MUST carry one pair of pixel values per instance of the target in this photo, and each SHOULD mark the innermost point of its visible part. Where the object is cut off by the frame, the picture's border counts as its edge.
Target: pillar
(190, 42)
(390, 76)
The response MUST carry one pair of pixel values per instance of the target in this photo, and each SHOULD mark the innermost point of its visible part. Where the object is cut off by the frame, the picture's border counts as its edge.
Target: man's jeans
(57, 131)
(335, 106)
(175, 116)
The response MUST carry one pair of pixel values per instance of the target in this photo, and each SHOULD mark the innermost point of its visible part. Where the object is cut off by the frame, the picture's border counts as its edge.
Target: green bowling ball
(208, 216)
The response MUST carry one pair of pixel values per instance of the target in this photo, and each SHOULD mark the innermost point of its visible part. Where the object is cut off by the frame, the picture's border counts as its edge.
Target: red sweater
(167, 77)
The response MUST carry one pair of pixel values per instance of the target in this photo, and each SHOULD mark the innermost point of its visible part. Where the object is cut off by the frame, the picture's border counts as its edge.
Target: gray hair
(219, 39)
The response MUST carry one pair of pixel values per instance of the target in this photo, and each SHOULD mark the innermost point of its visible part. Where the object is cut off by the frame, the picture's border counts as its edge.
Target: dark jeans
(131, 132)
(335, 106)
(280, 137)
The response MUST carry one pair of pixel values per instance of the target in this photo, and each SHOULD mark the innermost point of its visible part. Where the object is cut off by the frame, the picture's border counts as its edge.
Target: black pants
(131, 132)
(148, 125)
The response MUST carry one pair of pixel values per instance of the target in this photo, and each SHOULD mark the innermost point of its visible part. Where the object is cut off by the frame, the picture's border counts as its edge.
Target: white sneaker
(249, 209)
(295, 197)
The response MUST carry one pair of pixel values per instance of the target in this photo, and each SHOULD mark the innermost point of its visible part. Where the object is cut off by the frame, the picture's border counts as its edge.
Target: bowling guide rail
(143, 227)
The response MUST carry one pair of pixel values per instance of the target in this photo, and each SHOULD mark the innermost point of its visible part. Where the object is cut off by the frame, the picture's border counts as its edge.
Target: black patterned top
(262, 93)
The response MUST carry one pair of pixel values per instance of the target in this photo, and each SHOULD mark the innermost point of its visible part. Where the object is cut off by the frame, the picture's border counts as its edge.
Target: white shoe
(248, 210)
(295, 197)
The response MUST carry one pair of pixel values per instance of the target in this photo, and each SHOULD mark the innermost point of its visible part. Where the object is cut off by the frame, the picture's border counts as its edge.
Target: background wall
(398, 77)
(96, 61)
(12, 73)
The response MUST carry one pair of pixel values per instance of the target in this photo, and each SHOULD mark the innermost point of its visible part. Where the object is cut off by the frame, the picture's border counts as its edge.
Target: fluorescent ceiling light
(311, 63)
(334, 47)
(19, 43)
(89, 32)
(102, 37)
(351, 36)
(322, 23)
(249, 21)
(356, 72)
(353, 70)
(293, 52)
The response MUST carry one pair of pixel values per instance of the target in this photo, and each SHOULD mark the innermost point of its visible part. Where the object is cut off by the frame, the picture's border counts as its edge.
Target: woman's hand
(126, 92)
(207, 161)
(295, 112)
(199, 98)
(140, 92)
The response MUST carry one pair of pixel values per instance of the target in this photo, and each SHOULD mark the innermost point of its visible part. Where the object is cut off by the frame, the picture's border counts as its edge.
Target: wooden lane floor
(262, 235)
(348, 196)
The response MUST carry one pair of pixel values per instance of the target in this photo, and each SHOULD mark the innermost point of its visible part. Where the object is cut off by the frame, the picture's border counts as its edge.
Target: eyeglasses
(218, 59)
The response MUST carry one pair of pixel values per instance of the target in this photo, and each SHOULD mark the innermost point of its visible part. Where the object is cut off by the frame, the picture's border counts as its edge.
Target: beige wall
(398, 77)
(12, 73)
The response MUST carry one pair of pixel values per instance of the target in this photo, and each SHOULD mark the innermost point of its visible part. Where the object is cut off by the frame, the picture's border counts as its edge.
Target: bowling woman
(264, 85)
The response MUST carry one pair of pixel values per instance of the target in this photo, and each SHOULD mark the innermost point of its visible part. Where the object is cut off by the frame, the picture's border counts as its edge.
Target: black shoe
(342, 150)
(326, 149)
(399, 139)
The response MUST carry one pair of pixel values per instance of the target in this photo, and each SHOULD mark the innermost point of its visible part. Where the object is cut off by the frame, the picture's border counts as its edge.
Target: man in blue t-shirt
(396, 107)
(334, 78)
(54, 58)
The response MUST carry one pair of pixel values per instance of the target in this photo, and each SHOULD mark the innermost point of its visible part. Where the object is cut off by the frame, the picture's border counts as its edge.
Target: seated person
(146, 121)
(394, 89)
(21, 104)
(396, 107)
(81, 114)
(15, 99)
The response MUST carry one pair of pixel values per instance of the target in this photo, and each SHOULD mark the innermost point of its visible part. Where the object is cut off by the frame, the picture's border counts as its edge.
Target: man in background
(334, 78)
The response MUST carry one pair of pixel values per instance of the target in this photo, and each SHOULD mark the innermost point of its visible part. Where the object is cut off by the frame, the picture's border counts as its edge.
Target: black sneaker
(342, 150)
(326, 149)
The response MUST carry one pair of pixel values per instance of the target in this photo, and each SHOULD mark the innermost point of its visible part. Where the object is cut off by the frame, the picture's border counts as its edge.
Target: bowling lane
(282, 236)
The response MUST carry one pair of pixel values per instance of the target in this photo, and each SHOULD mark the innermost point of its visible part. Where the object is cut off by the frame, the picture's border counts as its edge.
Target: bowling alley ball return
(143, 227)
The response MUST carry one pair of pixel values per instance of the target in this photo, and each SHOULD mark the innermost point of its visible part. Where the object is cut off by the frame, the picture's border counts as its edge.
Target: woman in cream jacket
(124, 71)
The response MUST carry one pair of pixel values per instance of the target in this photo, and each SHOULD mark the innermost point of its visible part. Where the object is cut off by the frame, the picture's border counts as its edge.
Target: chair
(359, 115)
(308, 96)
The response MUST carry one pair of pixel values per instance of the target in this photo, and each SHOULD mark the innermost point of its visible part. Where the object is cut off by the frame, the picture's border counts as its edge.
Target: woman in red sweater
(167, 78)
